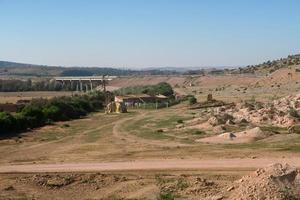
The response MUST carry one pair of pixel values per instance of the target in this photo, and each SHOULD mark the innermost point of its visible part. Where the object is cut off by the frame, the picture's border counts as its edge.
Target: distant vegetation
(97, 71)
(77, 72)
(45, 111)
(270, 66)
(19, 69)
(161, 88)
(7, 64)
(29, 70)
(16, 85)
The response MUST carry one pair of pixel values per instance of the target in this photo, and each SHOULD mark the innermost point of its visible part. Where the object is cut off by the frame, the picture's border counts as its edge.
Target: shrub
(35, 116)
(7, 122)
(161, 88)
(180, 121)
(65, 126)
(21, 122)
(167, 195)
(52, 112)
(42, 111)
(192, 100)
(294, 113)
(164, 89)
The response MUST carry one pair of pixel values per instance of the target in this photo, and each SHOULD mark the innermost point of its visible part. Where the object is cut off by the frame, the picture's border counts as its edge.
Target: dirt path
(130, 138)
(172, 164)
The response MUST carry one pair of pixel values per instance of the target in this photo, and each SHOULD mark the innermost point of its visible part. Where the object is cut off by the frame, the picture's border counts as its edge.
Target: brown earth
(13, 97)
(241, 164)
(277, 181)
(144, 154)
(116, 185)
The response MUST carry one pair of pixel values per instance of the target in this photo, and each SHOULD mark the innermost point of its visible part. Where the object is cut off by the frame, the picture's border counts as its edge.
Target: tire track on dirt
(234, 164)
(130, 138)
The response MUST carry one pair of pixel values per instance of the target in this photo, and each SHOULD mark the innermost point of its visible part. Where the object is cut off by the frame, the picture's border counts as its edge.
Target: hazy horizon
(142, 34)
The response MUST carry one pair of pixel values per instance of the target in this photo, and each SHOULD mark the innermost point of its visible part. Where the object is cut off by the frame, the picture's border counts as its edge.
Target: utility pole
(104, 90)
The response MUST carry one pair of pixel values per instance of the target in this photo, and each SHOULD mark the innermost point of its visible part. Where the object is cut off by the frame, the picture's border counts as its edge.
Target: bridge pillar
(91, 84)
(77, 87)
(81, 88)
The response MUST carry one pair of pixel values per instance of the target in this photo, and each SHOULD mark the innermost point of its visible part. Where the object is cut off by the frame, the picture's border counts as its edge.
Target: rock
(58, 182)
(217, 197)
(230, 188)
(244, 121)
(230, 122)
(179, 126)
(268, 183)
(291, 129)
(219, 129)
(213, 121)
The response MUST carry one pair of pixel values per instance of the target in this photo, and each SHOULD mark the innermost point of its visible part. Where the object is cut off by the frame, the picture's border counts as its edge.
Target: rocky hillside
(270, 66)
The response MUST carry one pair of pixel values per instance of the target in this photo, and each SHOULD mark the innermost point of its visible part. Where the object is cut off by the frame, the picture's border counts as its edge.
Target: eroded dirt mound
(283, 112)
(106, 186)
(238, 137)
(275, 182)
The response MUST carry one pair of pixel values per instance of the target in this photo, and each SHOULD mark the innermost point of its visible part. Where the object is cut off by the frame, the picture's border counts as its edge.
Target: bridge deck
(84, 78)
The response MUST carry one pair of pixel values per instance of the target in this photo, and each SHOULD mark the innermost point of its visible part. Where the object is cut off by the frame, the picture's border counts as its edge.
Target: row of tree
(161, 88)
(45, 111)
(16, 85)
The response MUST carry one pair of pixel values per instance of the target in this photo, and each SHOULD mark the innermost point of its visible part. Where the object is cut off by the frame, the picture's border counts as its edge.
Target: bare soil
(148, 154)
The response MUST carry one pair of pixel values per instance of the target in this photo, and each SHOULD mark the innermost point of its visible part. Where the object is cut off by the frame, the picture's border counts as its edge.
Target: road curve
(168, 164)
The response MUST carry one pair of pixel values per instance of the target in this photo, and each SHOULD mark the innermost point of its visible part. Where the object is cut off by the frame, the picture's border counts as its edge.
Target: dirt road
(172, 164)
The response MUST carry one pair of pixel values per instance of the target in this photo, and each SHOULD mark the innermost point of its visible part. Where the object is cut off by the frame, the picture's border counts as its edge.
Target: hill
(4, 64)
(270, 66)
(21, 69)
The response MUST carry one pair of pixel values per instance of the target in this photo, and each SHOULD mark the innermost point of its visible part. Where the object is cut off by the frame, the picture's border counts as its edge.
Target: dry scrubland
(234, 88)
(13, 97)
(251, 134)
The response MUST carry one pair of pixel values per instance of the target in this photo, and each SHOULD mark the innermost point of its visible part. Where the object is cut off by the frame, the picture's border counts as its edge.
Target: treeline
(20, 69)
(92, 71)
(113, 72)
(15, 85)
(161, 88)
(45, 111)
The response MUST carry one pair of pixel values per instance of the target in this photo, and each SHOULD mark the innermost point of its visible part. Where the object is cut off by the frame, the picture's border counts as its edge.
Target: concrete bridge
(85, 83)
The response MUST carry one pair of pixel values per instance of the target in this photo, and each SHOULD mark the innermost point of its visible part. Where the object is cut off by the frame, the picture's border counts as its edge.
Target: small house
(138, 100)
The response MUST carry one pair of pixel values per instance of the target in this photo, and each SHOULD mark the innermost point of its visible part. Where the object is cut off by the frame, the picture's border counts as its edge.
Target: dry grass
(135, 135)
(13, 97)
(141, 134)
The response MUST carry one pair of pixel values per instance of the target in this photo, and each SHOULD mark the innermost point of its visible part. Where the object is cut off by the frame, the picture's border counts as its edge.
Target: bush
(180, 121)
(164, 89)
(192, 100)
(21, 122)
(52, 112)
(167, 195)
(7, 122)
(42, 111)
(35, 116)
(294, 113)
(161, 88)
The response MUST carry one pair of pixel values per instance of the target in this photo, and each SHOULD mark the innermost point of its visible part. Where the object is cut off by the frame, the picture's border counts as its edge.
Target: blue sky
(148, 33)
